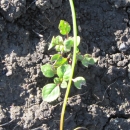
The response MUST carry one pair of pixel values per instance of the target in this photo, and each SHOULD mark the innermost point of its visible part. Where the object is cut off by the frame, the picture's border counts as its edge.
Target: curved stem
(73, 65)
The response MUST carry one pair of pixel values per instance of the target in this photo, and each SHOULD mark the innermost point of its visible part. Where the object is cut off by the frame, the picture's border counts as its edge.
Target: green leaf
(88, 60)
(61, 48)
(47, 70)
(57, 47)
(64, 71)
(50, 92)
(59, 40)
(78, 82)
(52, 43)
(77, 50)
(79, 57)
(57, 80)
(60, 61)
(68, 43)
(64, 27)
(63, 84)
(56, 41)
(55, 57)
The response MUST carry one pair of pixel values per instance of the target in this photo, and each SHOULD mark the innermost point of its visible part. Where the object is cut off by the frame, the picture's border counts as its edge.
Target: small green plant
(60, 64)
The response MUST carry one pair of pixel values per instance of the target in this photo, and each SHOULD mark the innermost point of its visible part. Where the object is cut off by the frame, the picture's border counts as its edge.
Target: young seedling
(60, 64)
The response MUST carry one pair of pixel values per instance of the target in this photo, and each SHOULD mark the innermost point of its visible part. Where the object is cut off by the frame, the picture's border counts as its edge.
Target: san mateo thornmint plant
(60, 64)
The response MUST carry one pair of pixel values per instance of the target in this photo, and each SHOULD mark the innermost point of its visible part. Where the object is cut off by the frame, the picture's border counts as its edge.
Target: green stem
(73, 65)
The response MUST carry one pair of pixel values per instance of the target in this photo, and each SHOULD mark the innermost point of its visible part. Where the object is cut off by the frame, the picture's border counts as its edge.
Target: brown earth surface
(26, 29)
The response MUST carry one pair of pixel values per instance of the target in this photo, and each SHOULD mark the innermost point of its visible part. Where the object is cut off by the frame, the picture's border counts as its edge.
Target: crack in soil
(124, 116)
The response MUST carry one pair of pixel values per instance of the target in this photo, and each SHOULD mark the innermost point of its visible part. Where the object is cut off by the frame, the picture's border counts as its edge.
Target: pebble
(9, 73)
(123, 47)
(129, 70)
(122, 63)
(31, 96)
(117, 57)
(96, 54)
(9, 67)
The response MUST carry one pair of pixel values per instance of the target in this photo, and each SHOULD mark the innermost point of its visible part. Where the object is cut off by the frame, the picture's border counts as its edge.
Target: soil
(26, 29)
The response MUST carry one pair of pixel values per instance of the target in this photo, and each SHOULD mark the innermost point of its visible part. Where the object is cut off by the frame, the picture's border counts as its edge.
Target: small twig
(15, 126)
(48, 19)
(78, 94)
(39, 23)
(65, 119)
(105, 93)
(31, 4)
(7, 123)
(36, 128)
(10, 87)
(48, 37)
(80, 128)
(19, 123)
(38, 34)
(56, 105)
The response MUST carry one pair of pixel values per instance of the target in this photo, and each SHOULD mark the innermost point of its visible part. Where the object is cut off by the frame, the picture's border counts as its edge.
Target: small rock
(15, 112)
(96, 53)
(117, 57)
(9, 67)
(123, 47)
(129, 57)
(9, 73)
(129, 70)
(110, 61)
(122, 63)
(31, 96)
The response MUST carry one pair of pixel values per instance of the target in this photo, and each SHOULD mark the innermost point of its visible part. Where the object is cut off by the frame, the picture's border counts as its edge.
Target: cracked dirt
(26, 28)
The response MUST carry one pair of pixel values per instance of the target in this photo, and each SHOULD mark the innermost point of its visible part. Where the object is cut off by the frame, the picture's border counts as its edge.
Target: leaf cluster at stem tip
(60, 64)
